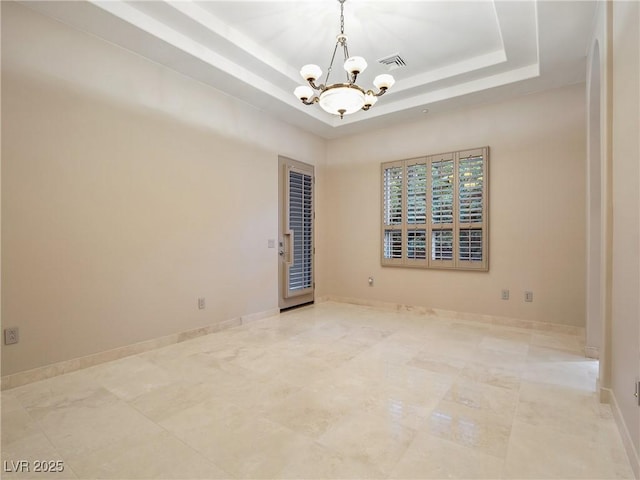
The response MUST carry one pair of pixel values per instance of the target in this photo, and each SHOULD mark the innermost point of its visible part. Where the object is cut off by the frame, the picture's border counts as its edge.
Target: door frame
(283, 165)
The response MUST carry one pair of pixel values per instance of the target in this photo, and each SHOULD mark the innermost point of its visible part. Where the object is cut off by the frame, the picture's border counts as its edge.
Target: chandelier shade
(311, 72)
(303, 92)
(384, 81)
(370, 99)
(341, 98)
(355, 65)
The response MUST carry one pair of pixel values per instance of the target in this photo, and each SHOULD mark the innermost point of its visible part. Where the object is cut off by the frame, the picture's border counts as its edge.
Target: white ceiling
(457, 53)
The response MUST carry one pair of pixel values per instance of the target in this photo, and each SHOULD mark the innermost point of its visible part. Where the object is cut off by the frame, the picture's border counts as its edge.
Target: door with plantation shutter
(296, 249)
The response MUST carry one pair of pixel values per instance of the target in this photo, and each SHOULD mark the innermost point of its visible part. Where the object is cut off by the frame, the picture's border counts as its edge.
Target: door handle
(288, 250)
(281, 253)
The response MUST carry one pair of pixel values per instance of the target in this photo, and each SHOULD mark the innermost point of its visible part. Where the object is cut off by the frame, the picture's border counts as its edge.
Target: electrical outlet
(505, 294)
(528, 296)
(201, 304)
(11, 335)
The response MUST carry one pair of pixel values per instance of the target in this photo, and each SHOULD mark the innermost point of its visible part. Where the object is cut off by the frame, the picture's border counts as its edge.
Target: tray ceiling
(456, 53)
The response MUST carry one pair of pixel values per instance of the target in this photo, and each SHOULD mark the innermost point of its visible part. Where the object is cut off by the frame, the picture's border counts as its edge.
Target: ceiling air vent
(393, 61)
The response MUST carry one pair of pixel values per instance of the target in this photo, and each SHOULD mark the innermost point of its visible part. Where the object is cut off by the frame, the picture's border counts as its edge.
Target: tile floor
(329, 391)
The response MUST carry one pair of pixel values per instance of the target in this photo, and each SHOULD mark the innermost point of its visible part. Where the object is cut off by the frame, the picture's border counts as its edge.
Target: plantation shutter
(435, 211)
(416, 247)
(417, 194)
(300, 224)
(471, 209)
(442, 207)
(392, 205)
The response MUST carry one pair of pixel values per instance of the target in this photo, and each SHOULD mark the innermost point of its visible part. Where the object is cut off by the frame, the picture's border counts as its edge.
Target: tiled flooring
(330, 391)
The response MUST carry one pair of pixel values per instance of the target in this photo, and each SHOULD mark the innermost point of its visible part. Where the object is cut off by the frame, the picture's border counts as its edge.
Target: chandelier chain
(333, 57)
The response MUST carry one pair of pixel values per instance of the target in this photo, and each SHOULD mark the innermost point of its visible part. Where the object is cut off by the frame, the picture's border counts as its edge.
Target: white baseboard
(68, 366)
(476, 317)
(592, 352)
(624, 431)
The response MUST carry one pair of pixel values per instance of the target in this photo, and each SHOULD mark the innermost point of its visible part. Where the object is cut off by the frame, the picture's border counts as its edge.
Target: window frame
(429, 226)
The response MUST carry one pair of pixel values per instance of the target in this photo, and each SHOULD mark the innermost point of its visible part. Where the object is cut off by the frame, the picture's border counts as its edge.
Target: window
(434, 211)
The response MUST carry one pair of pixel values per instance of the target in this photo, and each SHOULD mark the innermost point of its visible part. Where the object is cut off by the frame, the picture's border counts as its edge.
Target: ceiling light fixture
(341, 98)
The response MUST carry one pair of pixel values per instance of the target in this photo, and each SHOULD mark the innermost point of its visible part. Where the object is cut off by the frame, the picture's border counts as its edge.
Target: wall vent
(393, 61)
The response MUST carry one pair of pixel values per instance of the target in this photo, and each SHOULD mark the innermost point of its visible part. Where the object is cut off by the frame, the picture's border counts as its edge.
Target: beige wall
(625, 311)
(126, 187)
(127, 192)
(596, 126)
(537, 210)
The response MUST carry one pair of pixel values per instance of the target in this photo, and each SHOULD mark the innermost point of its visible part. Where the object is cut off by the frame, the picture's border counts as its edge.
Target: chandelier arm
(313, 85)
(380, 93)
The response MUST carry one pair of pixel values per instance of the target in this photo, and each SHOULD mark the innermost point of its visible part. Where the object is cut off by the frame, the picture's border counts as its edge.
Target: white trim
(592, 352)
(476, 317)
(624, 432)
(68, 366)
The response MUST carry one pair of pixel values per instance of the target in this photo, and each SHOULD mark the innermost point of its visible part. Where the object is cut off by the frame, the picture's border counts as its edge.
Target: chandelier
(341, 98)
